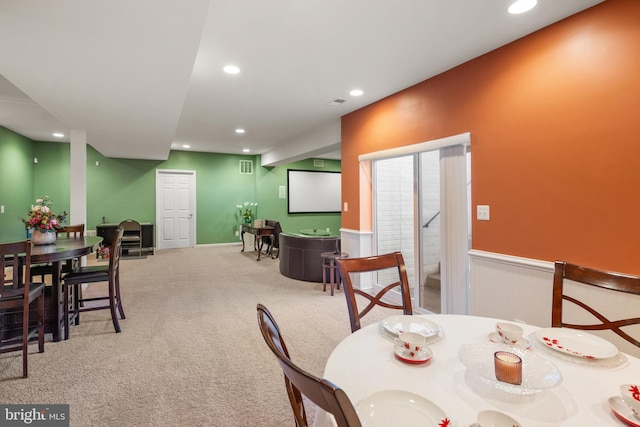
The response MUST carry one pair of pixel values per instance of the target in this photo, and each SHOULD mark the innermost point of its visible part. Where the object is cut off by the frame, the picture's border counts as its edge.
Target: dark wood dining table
(65, 248)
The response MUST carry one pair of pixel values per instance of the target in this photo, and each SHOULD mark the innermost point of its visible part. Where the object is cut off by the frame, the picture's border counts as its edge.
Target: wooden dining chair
(299, 382)
(617, 282)
(393, 263)
(16, 298)
(94, 274)
(69, 231)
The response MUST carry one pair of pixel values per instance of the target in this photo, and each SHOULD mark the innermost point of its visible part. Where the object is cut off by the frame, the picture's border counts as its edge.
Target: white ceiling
(142, 77)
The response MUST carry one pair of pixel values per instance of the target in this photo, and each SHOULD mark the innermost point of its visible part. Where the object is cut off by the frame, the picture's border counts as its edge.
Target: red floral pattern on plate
(635, 392)
(446, 422)
(552, 342)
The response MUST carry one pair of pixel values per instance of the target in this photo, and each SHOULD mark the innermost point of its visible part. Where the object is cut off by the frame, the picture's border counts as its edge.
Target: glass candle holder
(508, 367)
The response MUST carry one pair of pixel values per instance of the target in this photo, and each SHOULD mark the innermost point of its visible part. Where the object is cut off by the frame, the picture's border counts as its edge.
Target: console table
(106, 231)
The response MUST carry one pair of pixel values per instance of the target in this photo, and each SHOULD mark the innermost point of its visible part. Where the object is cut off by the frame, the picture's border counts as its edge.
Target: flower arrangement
(42, 218)
(248, 210)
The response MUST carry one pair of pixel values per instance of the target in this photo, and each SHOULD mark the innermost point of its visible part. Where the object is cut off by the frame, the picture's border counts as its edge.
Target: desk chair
(16, 298)
(298, 382)
(378, 263)
(94, 274)
(69, 231)
(617, 282)
(277, 229)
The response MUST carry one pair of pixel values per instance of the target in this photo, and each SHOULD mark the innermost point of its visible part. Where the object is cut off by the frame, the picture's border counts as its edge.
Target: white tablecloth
(364, 363)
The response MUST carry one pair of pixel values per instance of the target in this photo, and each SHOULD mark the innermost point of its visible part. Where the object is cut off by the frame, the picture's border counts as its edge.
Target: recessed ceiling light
(239, 130)
(186, 146)
(521, 6)
(246, 150)
(231, 69)
(58, 135)
(356, 92)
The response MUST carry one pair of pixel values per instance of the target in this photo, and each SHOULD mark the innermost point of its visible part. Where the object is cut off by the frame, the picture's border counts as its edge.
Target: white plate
(538, 374)
(407, 356)
(576, 343)
(496, 419)
(622, 411)
(407, 323)
(495, 337)
(400, 408)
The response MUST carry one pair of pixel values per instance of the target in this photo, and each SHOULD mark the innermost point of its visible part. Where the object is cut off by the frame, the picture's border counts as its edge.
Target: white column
(78, 194)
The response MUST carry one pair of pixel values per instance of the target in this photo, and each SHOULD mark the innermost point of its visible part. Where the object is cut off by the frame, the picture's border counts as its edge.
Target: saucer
(622, 411)
(495, 337)
(496, 419)
(407, 356)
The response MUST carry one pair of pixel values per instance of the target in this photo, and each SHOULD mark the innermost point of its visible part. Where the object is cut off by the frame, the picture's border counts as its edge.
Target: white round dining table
(364, 363)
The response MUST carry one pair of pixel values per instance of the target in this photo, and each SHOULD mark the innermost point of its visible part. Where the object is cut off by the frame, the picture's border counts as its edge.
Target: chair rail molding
(510, 287)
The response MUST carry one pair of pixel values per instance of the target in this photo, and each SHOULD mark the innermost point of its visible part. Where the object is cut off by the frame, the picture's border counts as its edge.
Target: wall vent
(246, 167)
(318, 163)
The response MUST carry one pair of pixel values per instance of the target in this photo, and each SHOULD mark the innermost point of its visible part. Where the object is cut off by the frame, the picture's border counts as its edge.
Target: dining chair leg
(25, 341)
(41, 323)
(77, 302)
(112, 307)
(118, 298)
(65, 298)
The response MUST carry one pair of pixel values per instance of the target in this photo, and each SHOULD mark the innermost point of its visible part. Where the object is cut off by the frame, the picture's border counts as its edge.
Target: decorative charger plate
(400, 408)
(538, 374)
(576, 343)
(394, 325)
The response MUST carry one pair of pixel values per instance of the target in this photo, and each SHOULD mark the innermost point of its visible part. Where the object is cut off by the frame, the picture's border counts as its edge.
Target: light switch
(482, 212)
(2, 209)
(346, 207)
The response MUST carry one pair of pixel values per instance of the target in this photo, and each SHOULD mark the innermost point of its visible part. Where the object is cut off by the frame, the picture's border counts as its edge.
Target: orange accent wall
(555, 139)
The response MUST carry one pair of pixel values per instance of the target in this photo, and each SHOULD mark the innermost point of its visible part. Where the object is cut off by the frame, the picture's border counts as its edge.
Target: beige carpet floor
(190, 352)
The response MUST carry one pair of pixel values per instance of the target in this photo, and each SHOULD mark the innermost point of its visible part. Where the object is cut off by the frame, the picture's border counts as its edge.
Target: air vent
(337, 101)
(246, 167)
(318, 163)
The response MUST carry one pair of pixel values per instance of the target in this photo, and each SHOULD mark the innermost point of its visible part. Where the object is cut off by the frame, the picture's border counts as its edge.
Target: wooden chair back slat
(298, 382)
(616, 282)
(394, 260)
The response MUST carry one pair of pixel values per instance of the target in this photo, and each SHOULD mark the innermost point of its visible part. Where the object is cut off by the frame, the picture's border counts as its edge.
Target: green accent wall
(17, 178)
(118, 189)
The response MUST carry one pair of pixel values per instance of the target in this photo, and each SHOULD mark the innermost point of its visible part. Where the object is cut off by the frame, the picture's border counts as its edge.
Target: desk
(363, 363)
(315, 232)
(259, 232)
(64, 249)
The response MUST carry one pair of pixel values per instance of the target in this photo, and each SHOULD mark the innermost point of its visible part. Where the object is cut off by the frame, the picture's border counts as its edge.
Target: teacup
(412, 341)
(509, 332)
(631, 397)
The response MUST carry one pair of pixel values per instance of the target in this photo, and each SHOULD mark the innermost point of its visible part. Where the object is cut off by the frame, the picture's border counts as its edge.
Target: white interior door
(175, 209)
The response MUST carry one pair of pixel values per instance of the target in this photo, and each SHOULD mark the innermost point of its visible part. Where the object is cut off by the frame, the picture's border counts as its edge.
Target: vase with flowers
(248, 211)
(43, 222)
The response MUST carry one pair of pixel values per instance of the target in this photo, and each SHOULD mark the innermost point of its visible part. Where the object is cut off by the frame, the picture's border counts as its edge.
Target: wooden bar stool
(329, 264)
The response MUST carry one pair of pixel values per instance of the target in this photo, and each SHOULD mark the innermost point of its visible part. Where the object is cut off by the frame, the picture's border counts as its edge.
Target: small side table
(329, 264)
